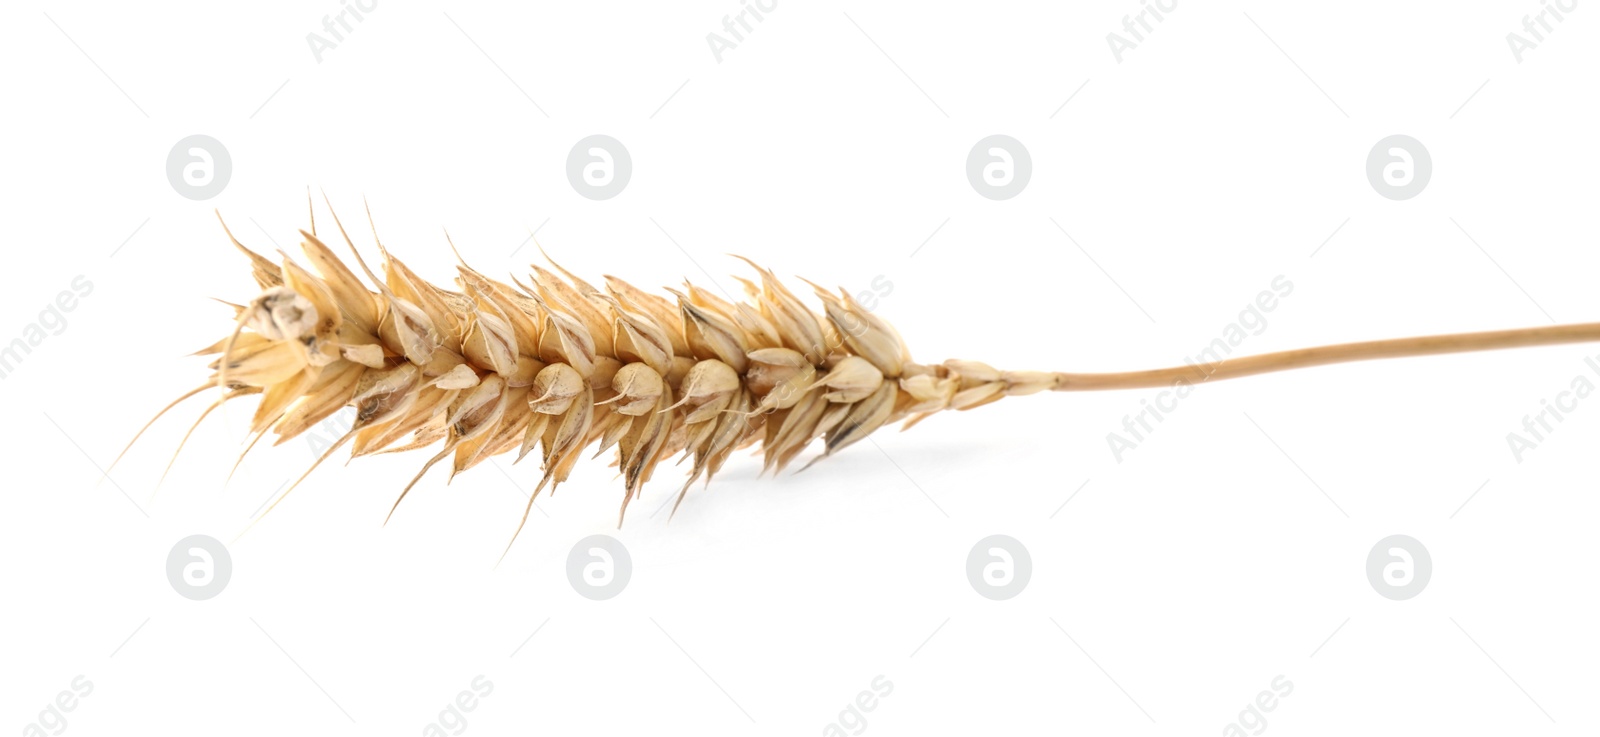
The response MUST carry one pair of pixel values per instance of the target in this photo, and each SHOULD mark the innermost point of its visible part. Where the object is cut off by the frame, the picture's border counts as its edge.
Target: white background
(1168, 589)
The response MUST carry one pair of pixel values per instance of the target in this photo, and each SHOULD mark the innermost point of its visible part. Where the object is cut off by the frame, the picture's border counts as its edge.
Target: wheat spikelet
(557, 365)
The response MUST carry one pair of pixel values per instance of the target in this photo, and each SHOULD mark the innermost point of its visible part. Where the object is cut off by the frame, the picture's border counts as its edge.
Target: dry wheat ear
(557, 364)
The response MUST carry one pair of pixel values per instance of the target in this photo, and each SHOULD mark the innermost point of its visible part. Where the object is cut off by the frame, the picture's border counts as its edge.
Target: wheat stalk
(558, 365)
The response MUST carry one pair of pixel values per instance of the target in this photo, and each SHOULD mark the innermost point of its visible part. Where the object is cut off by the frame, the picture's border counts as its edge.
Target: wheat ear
(558, 365)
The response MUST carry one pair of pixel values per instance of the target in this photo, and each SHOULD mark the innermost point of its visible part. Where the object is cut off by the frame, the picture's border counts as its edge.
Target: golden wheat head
(557, 364)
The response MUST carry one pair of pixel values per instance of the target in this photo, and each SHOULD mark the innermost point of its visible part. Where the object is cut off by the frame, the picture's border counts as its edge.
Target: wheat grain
(558, 365)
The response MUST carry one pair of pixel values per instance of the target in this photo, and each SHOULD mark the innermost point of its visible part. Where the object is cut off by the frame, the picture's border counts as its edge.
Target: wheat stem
(1233, 368)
